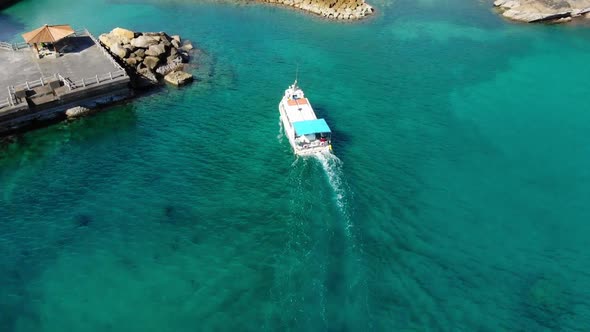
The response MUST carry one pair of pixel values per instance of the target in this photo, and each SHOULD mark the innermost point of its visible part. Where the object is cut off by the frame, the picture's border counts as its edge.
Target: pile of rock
(150, 55)
(332, 9)
(532, 11)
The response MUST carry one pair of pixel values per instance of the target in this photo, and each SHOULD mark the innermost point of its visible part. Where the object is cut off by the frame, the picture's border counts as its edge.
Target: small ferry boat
(307, 134)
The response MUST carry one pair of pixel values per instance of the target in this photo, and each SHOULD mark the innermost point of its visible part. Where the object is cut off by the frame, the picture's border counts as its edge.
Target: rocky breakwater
(150, 56)
(331, 9)
(532, 11)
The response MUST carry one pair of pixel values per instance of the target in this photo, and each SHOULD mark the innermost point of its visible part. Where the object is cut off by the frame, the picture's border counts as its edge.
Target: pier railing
(86, 82)
(13, 46)
(70, 85)
(5, 103)
(29, 85)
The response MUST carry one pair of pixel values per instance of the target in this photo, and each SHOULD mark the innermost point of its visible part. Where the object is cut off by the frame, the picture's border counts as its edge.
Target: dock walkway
(84, 71)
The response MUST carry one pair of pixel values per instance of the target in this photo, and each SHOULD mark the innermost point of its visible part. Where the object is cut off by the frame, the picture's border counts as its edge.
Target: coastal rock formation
(532, 11)
(150, 55)
(332, 9)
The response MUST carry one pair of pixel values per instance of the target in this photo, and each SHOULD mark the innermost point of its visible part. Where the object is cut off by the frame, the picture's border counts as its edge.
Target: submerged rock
(548, 301)
(178, 78)
(77, 111)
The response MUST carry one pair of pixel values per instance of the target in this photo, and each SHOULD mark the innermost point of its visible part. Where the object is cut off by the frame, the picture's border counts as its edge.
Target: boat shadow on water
(340, 138)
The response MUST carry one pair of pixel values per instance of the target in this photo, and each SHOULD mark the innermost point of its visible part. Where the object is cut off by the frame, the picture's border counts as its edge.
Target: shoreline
(543, 11)
(333, 10)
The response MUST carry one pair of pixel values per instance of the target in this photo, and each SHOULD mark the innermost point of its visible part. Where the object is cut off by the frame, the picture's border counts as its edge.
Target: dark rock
(83, 220)
(185, 56)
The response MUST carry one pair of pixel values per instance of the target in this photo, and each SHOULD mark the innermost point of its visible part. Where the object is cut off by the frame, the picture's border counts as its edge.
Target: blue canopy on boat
(311, 127)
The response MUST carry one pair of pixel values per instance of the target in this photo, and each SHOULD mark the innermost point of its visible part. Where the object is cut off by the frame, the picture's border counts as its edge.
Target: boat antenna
(296, 74)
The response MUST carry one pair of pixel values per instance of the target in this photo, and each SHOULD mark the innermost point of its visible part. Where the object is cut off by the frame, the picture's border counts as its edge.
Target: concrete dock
(32, 89)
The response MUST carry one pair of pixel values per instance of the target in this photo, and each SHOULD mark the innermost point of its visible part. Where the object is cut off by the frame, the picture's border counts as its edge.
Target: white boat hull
(290, 133)
(306, 133)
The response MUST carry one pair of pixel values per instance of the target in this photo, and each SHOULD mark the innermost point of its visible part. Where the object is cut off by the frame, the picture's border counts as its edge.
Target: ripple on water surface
(456, 201)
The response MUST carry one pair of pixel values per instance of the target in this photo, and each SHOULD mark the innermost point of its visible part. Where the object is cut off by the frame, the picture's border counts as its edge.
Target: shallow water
(457, 202)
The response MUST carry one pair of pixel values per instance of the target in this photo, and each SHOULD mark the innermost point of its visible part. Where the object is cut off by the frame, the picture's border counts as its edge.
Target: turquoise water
(458, 200)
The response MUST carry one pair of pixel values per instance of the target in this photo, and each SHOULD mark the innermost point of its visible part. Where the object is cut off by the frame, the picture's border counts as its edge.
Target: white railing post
(42, 81)
(97, 81)
(111, 75)
(83, 83)
(9, 97)
(27, 84)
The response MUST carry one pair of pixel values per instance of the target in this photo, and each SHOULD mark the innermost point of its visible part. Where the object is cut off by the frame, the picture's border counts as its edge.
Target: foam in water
(332, 165)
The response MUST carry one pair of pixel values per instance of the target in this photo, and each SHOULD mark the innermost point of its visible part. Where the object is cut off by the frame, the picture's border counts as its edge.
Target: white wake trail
(332, 166)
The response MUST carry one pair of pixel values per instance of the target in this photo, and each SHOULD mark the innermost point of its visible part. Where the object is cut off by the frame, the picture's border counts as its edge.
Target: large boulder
(157, 50)
(108, 40)
(123, 34)
(144, 41)
(178, 78)
(187, 46)
(119, 51)
(131, 61)
(139, 53)
(151, 61)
